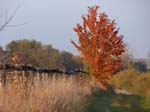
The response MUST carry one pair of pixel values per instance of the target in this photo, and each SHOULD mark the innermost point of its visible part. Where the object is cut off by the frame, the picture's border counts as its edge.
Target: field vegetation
(102, 56)
(133, 80)
(57, 95)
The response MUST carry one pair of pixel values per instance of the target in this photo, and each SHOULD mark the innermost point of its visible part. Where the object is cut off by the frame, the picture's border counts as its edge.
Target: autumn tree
(99, 44)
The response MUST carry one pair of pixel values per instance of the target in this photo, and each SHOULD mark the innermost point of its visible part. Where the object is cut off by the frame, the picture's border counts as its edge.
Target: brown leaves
(99, 44)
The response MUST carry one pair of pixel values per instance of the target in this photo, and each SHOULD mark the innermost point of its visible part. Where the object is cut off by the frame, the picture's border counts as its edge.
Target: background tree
(99, 45)
(140, 65)
(127, 58)
(5, 22)
(69, 61)
(148, 60)
(45, 56)
(33, 52)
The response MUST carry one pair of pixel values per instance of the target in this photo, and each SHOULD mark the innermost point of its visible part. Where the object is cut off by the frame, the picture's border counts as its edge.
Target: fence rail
(24, 67)
(29, 72)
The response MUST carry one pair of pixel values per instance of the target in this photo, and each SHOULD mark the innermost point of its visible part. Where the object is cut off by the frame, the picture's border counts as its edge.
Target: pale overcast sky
(52, 21)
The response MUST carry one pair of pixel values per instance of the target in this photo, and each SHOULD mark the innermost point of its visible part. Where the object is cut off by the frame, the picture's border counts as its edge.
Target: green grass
(103, 101)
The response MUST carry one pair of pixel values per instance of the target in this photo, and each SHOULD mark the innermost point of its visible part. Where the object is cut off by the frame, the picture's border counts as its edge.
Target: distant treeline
(140, 64)
(45, 56)
(40, 55)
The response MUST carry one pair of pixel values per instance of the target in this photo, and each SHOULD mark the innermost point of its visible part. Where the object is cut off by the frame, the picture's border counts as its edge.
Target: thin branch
(16, 25)
(8, 20)
(1, 15)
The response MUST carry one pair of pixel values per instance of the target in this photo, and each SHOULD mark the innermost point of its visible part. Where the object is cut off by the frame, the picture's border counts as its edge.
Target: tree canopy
(99, 44)
(38, 54)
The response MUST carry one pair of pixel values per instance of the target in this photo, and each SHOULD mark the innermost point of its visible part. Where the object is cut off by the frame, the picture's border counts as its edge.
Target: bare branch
(8, 20)
(1, 15)
(16, 25)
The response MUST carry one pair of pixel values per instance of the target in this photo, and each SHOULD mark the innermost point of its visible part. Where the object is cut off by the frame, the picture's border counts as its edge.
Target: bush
(142, 84)
(132, 80)
(125, 78)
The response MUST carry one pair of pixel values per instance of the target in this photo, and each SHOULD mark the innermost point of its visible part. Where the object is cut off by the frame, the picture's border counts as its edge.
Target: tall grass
(57, 95)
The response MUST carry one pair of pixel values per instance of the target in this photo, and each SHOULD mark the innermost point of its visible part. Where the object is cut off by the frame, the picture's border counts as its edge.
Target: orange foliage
(14, 58)
(99, 44)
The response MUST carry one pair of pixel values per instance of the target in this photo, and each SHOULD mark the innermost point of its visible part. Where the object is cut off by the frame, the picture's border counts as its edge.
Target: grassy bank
(76, 95)
(136, 82)
(103, 101)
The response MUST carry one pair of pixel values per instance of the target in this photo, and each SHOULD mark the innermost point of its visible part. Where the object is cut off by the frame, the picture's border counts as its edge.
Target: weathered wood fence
(24, 73)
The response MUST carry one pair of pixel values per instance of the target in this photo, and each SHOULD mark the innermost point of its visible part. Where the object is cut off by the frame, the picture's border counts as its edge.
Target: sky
(52, 21)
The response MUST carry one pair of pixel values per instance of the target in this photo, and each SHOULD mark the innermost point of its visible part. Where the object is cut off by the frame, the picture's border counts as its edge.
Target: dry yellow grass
(59, 95)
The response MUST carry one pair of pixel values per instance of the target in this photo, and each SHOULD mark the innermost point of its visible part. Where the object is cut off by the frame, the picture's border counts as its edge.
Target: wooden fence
(24, 73)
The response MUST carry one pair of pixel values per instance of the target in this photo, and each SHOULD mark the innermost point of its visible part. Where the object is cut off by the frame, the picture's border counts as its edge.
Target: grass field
(57, 95)
(136, 82)
(69, 95)
(103, 101)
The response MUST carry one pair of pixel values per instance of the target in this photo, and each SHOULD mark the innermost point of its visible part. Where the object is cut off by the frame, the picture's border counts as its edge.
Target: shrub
(133, 80)
(125, 78)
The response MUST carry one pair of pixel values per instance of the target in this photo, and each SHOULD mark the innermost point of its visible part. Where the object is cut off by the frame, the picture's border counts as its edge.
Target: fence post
(26, 75)
(3, 86)
(3, 76)
(71, 78)
(32, 77)
(22, 76)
